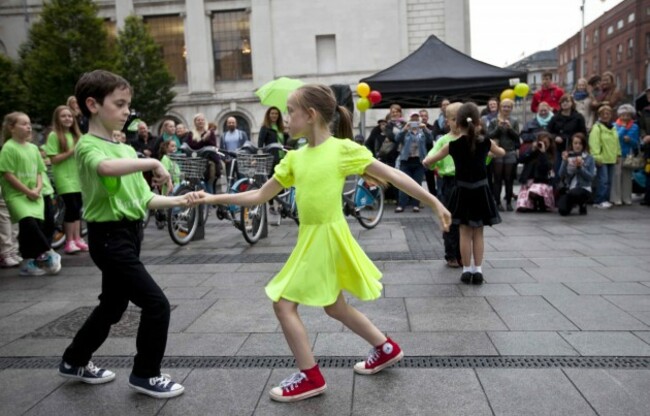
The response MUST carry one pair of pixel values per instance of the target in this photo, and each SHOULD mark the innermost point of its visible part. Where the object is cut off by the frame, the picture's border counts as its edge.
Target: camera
(573, 154)
(414, 124)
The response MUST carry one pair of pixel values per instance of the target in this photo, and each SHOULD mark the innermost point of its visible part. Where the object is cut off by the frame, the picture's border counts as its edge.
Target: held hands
(191, 199)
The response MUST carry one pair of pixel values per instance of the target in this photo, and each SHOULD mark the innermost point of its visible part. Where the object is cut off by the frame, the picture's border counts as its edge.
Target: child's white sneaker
(31, 269)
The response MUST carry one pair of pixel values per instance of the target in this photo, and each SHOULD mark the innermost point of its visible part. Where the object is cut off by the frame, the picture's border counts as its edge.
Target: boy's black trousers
(115, 249)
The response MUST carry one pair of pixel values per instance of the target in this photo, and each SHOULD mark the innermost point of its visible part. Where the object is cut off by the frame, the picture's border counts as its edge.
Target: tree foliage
(140, 61)
(11, 89)
(70, 39)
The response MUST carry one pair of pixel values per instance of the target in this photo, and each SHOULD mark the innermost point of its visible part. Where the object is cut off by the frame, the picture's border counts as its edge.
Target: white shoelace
(292, 381)
(92, 368)
(373, 355)
(162, 381)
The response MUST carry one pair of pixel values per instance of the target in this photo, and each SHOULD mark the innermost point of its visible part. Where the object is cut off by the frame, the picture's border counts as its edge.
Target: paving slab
(531, 343)
(227, 315)
(219, 391)
(609, 343)
(47, 347)
(614, 392)
(554, 273)
(114, 398)
(624, 273)
(337, 399)
(20, 390)
(519, 392)
(268, 345)
(532, 313)
(415, 291)
(387, 314)
(620, 288)
(452, 314)
(488, 289)
(193, 344)
(640, 303)
(543, 289)
(427, 391)
(444, 343)
(593, 313)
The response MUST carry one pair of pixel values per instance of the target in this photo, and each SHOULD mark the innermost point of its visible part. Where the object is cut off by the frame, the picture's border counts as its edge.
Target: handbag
(387, 147)
(634, 161)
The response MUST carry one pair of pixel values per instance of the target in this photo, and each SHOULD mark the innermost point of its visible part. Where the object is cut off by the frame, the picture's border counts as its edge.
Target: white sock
(472, 268)
(467, 269)
(478, 270)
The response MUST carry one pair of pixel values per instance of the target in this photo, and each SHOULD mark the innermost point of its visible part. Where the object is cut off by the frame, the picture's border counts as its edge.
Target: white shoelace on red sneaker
(373, 355)
(291, 382)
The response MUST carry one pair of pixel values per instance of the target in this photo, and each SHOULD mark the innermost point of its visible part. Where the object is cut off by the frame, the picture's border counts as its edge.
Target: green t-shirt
(24, 161)
(174, 171)
(109, 198)
(66, 174)
(445, 166)
(47, 190)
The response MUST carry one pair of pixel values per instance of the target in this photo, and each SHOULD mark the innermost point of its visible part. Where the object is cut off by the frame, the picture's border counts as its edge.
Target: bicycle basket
(251, 165)
(190, 167)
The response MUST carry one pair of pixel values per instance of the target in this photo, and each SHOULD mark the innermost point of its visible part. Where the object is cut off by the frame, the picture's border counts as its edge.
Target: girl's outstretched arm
(438, 156)
(404, 183)
(258, 196)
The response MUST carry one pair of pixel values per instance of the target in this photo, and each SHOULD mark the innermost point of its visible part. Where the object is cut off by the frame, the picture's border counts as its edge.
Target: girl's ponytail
(343, 123)
(468, 119)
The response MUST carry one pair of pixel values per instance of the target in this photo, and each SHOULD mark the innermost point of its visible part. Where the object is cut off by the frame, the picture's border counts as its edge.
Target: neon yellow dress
(326, 258)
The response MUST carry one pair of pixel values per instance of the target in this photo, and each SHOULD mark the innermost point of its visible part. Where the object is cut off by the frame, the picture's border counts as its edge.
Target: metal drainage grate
(529, 362)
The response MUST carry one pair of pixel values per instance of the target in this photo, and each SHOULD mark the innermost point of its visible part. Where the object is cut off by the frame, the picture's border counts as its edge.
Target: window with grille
(619, 52)
(231, 45)
(608, 58)
(169, 34)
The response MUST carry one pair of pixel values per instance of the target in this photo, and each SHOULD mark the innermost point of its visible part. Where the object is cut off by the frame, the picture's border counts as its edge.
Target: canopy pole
(362, 125)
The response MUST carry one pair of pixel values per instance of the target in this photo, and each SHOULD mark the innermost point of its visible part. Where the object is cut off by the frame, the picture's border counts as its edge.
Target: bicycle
(182, 222)
(288, 207)
(365, 202)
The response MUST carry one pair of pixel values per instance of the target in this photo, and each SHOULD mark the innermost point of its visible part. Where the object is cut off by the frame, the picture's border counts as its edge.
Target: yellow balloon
(363, 89)
(509, 93)
(521, 89)
(363, 104)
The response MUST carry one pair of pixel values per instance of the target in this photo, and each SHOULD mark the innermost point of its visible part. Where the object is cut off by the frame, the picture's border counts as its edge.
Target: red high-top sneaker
(380, 357)
(300, 386)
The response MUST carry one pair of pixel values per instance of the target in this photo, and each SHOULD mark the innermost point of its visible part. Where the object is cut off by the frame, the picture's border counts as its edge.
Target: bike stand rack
(200, 229)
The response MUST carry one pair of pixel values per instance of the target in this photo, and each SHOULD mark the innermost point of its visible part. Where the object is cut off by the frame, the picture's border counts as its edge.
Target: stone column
(123, 8)
(198, 41)
(262, 42)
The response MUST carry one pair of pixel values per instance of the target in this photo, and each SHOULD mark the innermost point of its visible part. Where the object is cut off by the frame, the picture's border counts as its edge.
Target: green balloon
(363, 104)
(521, 89)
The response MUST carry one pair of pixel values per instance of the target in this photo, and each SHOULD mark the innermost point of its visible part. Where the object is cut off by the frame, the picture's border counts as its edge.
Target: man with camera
(413, 140)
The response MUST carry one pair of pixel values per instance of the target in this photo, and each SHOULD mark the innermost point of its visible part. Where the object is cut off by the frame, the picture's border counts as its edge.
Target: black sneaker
(466, 278)
(477, 278)
(90, 374)
(161, 387)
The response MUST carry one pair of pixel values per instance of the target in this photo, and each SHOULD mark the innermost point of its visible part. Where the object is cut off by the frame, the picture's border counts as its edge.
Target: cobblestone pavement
(561, 326)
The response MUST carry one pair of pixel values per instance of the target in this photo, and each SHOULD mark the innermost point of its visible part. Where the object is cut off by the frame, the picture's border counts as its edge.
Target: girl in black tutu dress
(472, 204)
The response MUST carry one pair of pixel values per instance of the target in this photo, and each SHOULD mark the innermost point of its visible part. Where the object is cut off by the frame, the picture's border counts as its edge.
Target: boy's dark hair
(547, 74)
(97, 84)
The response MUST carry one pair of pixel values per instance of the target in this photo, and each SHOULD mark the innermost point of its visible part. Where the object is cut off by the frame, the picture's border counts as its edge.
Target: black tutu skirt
(473, 205)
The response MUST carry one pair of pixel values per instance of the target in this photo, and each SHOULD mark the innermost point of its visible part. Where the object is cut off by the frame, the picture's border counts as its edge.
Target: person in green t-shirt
(116, 197)
(166, 149)
(59, 147)
(22, 169)
(447, 184)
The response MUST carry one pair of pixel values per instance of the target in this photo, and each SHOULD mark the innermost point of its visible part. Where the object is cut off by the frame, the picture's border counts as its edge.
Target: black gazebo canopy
(436, 71)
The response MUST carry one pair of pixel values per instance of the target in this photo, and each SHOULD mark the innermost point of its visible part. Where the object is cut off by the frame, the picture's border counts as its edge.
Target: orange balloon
(509, 93)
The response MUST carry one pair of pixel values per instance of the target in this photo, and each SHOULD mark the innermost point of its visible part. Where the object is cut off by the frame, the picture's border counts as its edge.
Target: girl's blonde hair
(60, 131)
(9, 122)
(196, 136)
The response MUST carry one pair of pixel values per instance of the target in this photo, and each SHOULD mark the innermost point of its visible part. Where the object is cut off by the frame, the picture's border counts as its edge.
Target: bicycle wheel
(369, 204)
(252, 221)
(182, 222)
(58, 239)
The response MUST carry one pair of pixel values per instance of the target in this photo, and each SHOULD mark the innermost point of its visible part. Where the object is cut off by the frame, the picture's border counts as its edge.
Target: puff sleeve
(354, 158)
(283, 172)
